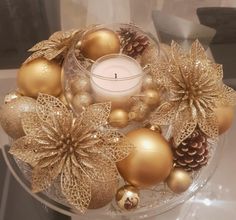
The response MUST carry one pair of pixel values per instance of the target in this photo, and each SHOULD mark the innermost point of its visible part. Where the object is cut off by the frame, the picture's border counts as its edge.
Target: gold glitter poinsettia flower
(195, 89)
(76, 150)
(57, 44)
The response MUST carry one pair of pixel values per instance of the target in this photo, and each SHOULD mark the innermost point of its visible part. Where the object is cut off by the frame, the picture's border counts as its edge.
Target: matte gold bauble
(179, 180)
(82, 100)
(80, 85)
(127, 197)
(225, 116)
(11, 113)
(150, 162)
(99, 43)
(11, 96)
(102, 193)
(148, 82)
(118, 118)
(39, 76)
(151, 97)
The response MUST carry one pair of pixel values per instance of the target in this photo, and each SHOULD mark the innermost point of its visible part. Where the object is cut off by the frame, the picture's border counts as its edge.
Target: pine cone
(132, 43)
(192, 153)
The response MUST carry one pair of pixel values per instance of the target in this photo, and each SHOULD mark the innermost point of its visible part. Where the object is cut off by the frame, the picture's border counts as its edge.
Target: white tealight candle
(116, 78)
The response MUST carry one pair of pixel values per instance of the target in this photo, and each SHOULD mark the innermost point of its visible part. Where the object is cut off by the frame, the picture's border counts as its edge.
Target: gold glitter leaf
(76, 187)
(31, 123)
(96, 115)
(209, 126)
(48, 105)
(197, 51)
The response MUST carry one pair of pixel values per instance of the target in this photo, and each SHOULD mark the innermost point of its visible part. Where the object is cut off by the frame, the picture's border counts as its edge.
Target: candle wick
(115, 75)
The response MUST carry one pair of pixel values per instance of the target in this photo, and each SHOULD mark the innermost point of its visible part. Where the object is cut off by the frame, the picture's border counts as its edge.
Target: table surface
(217, 200)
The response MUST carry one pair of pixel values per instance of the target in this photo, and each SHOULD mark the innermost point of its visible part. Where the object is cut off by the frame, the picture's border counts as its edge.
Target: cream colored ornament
(11, 114)
(39, 76)
(179, 180)
(11, 96)
(99, 43)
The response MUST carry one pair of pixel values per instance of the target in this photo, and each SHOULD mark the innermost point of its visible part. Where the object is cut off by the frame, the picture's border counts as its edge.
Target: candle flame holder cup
(116, 75)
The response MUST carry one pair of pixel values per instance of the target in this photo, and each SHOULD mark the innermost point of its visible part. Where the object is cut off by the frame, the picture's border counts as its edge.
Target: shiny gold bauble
(155, 128)
(139, 111)
(118, 118)
(11, 113)
(80, 85)
(102, 193)
(127, 197)
(147, 82)
(150, 162)
(81, 101)
(100, 42)
(11, 96)
(179, 180)
(39, 76)
(151, 97)
(225, 116)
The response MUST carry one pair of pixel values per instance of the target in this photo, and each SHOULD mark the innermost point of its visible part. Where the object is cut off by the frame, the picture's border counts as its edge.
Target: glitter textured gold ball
(39, 76)
(127, 197)
(11, 96)
(11, 113)
(179, 180)
(80, 85)
(147, 82)
(118, 118)
(225, 116)
(100, 42)
(81, 100)
(150, 162)
(151, 97)
(102, 193)
(138, 111)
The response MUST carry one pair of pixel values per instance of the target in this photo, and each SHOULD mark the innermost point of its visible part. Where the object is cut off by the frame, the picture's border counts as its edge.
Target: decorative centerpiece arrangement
(106, 113)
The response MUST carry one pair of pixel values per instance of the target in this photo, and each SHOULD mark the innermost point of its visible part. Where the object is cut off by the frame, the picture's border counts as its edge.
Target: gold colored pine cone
(132, 43)
(192, 153)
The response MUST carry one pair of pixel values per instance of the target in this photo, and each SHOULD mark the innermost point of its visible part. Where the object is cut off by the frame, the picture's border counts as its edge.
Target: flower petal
(164, 114)
(183, 126)
(227, 96)
(209, 125)
(197, 52)
(76, 187)
(25, 149)
(42, 177)
(99, 167)
(96, 115)
(48, 105)
(115, 145)
(31, 123)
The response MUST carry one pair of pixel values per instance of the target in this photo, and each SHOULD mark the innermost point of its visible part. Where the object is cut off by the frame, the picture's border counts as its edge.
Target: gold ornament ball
(39, 76)
(102, 193)
(100, 42)
(225, 116)
(10, 116)
(151, 97)
(80, 85)
(179, 180)
(118, 118)
(148, 82)
(81, 100)
(127, 197)
(150, 162)
(11, 96)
